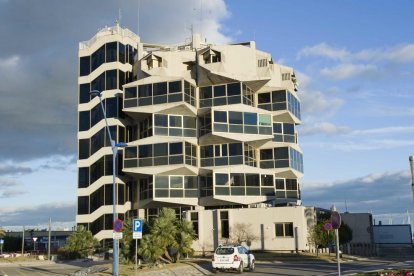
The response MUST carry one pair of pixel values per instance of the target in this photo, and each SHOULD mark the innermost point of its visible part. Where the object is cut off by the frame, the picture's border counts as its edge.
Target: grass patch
(389, 272)
(19, 259)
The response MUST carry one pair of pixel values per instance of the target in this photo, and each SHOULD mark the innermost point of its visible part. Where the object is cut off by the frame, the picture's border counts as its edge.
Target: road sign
(1, 241)
(335, 220)
(118, 225)
(137, 229)
(117, 235)
(327, 226)
(34, 239)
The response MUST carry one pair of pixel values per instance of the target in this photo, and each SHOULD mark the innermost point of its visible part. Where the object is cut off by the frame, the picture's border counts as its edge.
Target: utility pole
(23, 242)
(48, 241)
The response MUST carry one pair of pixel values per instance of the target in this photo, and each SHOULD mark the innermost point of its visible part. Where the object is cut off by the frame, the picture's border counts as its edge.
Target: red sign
(118, 225)
(327, 226)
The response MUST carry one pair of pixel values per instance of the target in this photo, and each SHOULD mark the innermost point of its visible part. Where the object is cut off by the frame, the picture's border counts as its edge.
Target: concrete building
(209, 127)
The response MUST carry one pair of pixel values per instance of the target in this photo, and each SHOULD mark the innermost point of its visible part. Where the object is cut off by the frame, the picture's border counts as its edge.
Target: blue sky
(354, 61)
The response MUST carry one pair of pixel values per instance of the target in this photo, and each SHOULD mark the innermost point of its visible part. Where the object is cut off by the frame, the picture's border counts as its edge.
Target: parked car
(233, 257)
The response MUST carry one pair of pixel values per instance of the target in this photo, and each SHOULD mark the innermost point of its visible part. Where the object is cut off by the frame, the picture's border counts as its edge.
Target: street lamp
(412, 172)
(114, 147)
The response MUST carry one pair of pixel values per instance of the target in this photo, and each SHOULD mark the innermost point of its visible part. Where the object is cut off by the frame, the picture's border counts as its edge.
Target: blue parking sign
(137, 229)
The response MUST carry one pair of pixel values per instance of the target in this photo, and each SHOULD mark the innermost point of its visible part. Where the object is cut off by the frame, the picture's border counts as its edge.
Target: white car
(232, 257)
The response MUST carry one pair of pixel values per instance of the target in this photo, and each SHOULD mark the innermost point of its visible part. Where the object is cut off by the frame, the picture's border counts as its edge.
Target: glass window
(84, 95)
(99, 83)
(98, 57)
(190, 182)
(145, 90)
(145, 151)
(263, 98)
(175, 121)
(235, 149)
(189, 122)
(235, 117)
(83, 148)
(279, 229)
(130, 92)
(111, 50)
(237, 179)
(174, 87)
(84, 66)
(252, 179)
(267, 179)
(291, 184)
(282, 153)
(161, 120)
(111, 107)
(161, 181)
(83, 177)
(250, 118)
(222, 179)
(265, 120)
(111, 82)
(280, 184)
(207, 151)
(176, 148)
(206, 92)
(219, 91)
(277, 128)
(160, 88)
(161, 149)
(176, 182)
(288, 128)
(84, 120)
(233, 89)
(279, 96)
(131, 152)
(220, 116)
(121, 53)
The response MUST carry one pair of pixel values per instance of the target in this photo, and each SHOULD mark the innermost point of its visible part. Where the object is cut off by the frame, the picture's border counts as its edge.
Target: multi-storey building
(207, 126)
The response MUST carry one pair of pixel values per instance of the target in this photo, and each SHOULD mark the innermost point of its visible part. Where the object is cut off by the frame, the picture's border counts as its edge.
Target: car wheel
(252, 266)
(240, 269)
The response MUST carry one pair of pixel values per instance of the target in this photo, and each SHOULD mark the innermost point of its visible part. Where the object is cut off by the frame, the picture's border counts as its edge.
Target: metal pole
(48, 241)
(115, 216)
(23, 242)
(136, 257)
(337, 251)
(411, 158)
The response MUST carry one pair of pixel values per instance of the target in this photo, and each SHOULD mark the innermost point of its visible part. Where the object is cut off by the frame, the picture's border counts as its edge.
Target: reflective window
(84, 120)
(111, 52)
(160, 88)
(222, 179)
(111, 81)
(84, 95)
(83, 177)
(121, 52)
(250, 118)
(98, 58)
(174, 87)
(84, 66)
(220, 116)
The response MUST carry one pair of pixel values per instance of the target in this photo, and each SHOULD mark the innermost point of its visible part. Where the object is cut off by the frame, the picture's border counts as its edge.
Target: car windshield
(225, 250)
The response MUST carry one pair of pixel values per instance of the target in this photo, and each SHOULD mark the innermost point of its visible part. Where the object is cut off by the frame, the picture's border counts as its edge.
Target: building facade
(208, 127)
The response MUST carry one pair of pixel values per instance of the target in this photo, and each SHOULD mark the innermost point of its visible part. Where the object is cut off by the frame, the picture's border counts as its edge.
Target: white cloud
(7, 63)
(323, 128)
(315, 102)
(345, 71)
(385, 130)
(323, 50)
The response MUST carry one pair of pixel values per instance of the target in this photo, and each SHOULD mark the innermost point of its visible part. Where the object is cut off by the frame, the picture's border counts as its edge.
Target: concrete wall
(261, 222)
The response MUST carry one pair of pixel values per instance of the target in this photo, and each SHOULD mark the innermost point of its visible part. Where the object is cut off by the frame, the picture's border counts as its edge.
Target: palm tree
(2, 233)
(184, 237)
(81, 242)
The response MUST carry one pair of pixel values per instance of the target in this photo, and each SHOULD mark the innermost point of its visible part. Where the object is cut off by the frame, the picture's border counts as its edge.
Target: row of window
(281, 158)
(100, 197)
(102, 167)
(87, 147)
(225, 94)
(161, 154)
(108, 80)
(279, 101)
(89, 118)
(110, 52)
(159, 93)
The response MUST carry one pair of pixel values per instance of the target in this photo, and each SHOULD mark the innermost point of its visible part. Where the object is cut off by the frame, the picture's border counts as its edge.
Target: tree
(345, 234)
(80, 244)
(242, 232)
(319, 237)
(2, 233)
(127, 244)
(168, 239)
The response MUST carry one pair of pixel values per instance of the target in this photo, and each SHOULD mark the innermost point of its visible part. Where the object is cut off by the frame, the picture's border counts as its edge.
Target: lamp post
(114, 147)
(411, 158)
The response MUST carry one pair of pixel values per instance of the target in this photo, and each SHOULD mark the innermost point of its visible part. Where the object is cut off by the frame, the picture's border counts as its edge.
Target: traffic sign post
(118, 225)
(34, 243)
(336, 223)
(1, 246)
(136, 234)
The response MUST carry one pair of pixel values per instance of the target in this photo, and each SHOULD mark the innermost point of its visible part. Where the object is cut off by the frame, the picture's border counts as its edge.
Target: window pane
(266, 154)
(206, 92)
(222, 179)
(145, 90)
(220, 116)
(280, 184)
(145, 151)
(250, 118)
(252, 179)
(278, 96)
(235, 149)
(161, 120)
(161, 149)
(277, 128)
(189, 122)
(111, 50)
(176, 148)
(263, 98)
(288, 128)
(288, 229)
(233, 89)
(235, 117)
(130, 92)
(237, 179)
(176, 182)
(279, 229)
(160, 88)
(84, 90)
(282, 153)
(220, 91)
(174, 87)
(267, 180)
(161, 181)
(265, 120)
(175, 121)
(84, 66)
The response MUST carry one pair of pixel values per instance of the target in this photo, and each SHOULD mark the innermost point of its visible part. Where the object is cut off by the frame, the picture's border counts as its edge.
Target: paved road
(322, 268)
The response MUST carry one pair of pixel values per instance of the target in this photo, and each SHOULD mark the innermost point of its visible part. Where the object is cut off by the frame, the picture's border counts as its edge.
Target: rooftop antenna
(346, 207)
(201, 18)
(119, 16)
(139, 4)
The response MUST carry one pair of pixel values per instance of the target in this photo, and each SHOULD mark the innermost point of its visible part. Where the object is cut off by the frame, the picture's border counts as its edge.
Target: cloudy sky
(355, 66)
